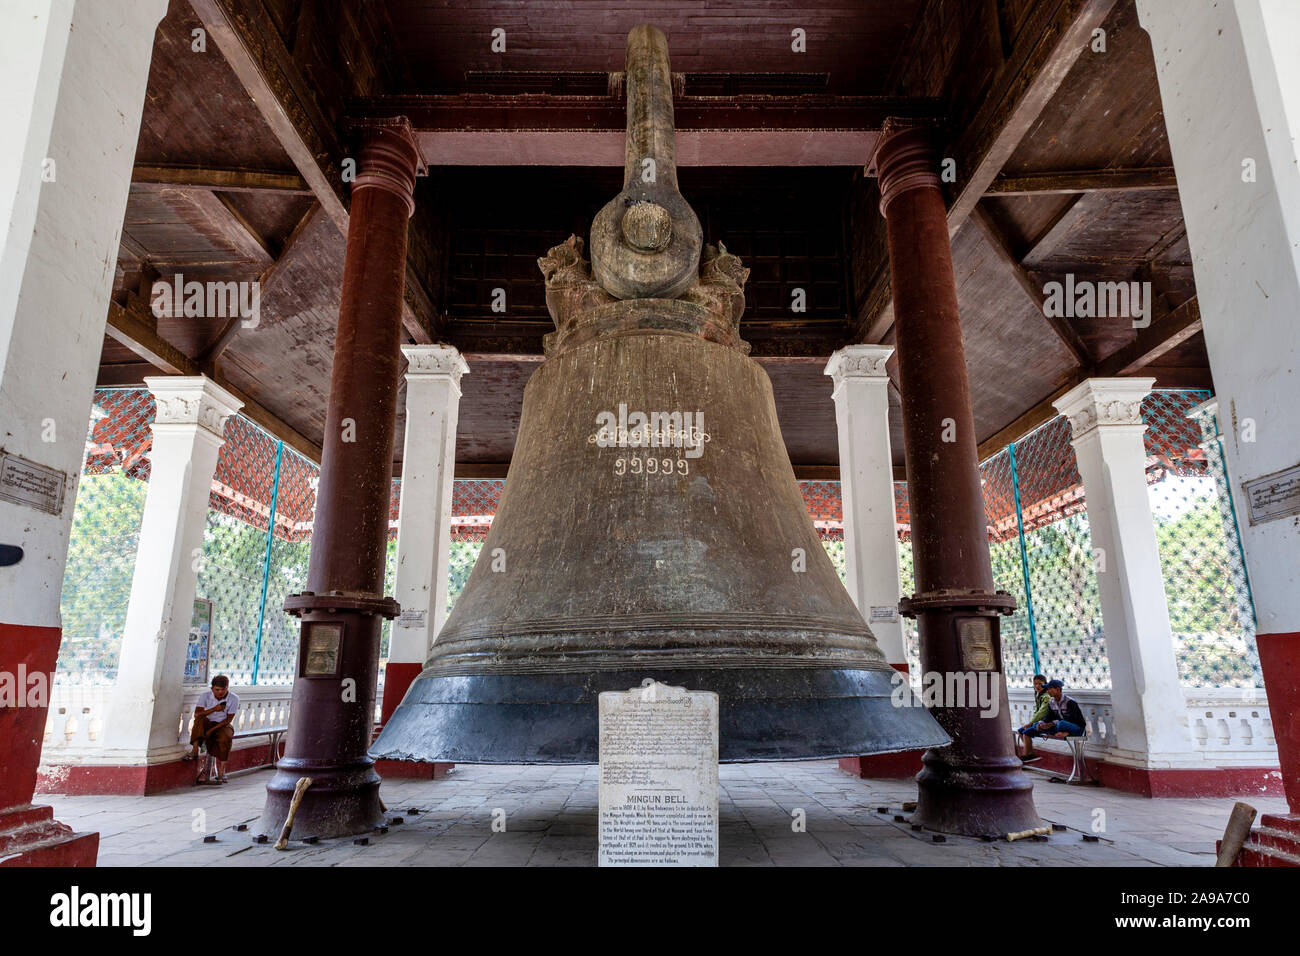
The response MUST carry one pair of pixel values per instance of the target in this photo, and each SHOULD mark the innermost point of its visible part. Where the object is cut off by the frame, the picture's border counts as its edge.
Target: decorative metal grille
(1062, 568)
(1211, 615)
(105, 535)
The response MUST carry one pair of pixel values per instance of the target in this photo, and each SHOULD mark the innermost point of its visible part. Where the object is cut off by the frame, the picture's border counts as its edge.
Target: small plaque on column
(658, 777)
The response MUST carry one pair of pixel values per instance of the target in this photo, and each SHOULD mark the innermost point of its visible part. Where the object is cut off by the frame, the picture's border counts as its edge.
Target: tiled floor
(550, 820)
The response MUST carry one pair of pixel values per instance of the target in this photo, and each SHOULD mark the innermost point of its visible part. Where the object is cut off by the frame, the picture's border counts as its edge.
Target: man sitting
(1066, 716)
(1041, 710)
(213, 717)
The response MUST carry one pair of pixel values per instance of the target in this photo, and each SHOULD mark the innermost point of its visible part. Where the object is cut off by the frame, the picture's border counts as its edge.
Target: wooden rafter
(246, 36)
(1084, 181)
(1011, 266)
(227, 180)
(1166, 332)
(1056, 34)
(129, 328)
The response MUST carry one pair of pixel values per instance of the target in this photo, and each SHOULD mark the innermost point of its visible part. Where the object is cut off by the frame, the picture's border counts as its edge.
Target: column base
(899, 766)
(976, 797)
(341, 801)
(30, 836)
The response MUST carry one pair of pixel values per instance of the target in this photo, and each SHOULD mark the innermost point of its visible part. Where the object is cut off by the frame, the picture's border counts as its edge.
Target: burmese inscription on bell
(658, 777)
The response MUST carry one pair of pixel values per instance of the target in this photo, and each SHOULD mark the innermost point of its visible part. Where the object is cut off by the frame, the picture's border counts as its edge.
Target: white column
(187, 436)
(1230, 86)
(72, 82)
(424, 518)
(1147, 701)
(867, 490)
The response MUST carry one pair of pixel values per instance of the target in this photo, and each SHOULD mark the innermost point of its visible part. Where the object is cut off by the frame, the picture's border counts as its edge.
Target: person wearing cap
(1041, 710)
(1065, 715)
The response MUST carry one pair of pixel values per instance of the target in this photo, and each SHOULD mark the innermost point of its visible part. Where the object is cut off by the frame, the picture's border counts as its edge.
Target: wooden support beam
(1084, 181)
(130, 329)
(246, 36)
(1162, 335)
(127, 327)
(227, 180)
(997, 242)
(231, 226)
(266, 281)
(1055, 231)
(124, 374)
(1041, 413)
(1057, 32)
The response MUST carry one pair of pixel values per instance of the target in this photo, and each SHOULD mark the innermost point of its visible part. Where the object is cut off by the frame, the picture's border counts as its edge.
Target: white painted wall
(54, 296)
(1229, 77)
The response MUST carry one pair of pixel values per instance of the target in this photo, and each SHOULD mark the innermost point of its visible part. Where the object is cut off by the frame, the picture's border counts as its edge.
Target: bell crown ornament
(651, 526)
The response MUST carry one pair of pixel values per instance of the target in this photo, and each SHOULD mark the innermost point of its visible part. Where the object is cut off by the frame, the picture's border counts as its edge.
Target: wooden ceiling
(1062, 165)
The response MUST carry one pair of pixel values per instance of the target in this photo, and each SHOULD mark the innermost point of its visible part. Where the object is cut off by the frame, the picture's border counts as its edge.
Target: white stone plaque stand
(658, 777)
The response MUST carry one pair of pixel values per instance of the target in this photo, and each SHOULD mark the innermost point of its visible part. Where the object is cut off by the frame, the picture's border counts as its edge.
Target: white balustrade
(75, 723)
(1230, 726)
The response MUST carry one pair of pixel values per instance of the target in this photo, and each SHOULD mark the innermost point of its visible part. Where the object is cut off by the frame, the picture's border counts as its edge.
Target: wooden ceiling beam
(232, 227)
(1162, 335)
(1011, 266)
(1084, 181)
(248, 39)
(288, 252)
(227, 180)
(1055, 34)
(127, 327)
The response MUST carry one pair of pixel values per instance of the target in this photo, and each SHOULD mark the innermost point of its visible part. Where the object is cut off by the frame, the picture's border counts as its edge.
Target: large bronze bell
(651, 525)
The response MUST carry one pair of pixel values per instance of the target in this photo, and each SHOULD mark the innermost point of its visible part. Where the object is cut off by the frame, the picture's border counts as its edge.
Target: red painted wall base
(140, 780)
(1275, 842)
(1198, 782)
(1279, 660)
(899, 766)
(30, 836)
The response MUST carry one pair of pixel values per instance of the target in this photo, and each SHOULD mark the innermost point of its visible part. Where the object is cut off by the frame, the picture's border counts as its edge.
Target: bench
(1080, 775)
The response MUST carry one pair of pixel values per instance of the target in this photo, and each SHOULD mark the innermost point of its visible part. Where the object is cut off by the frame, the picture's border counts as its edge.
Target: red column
(976, 785)
(29, 835)
(333, 706)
